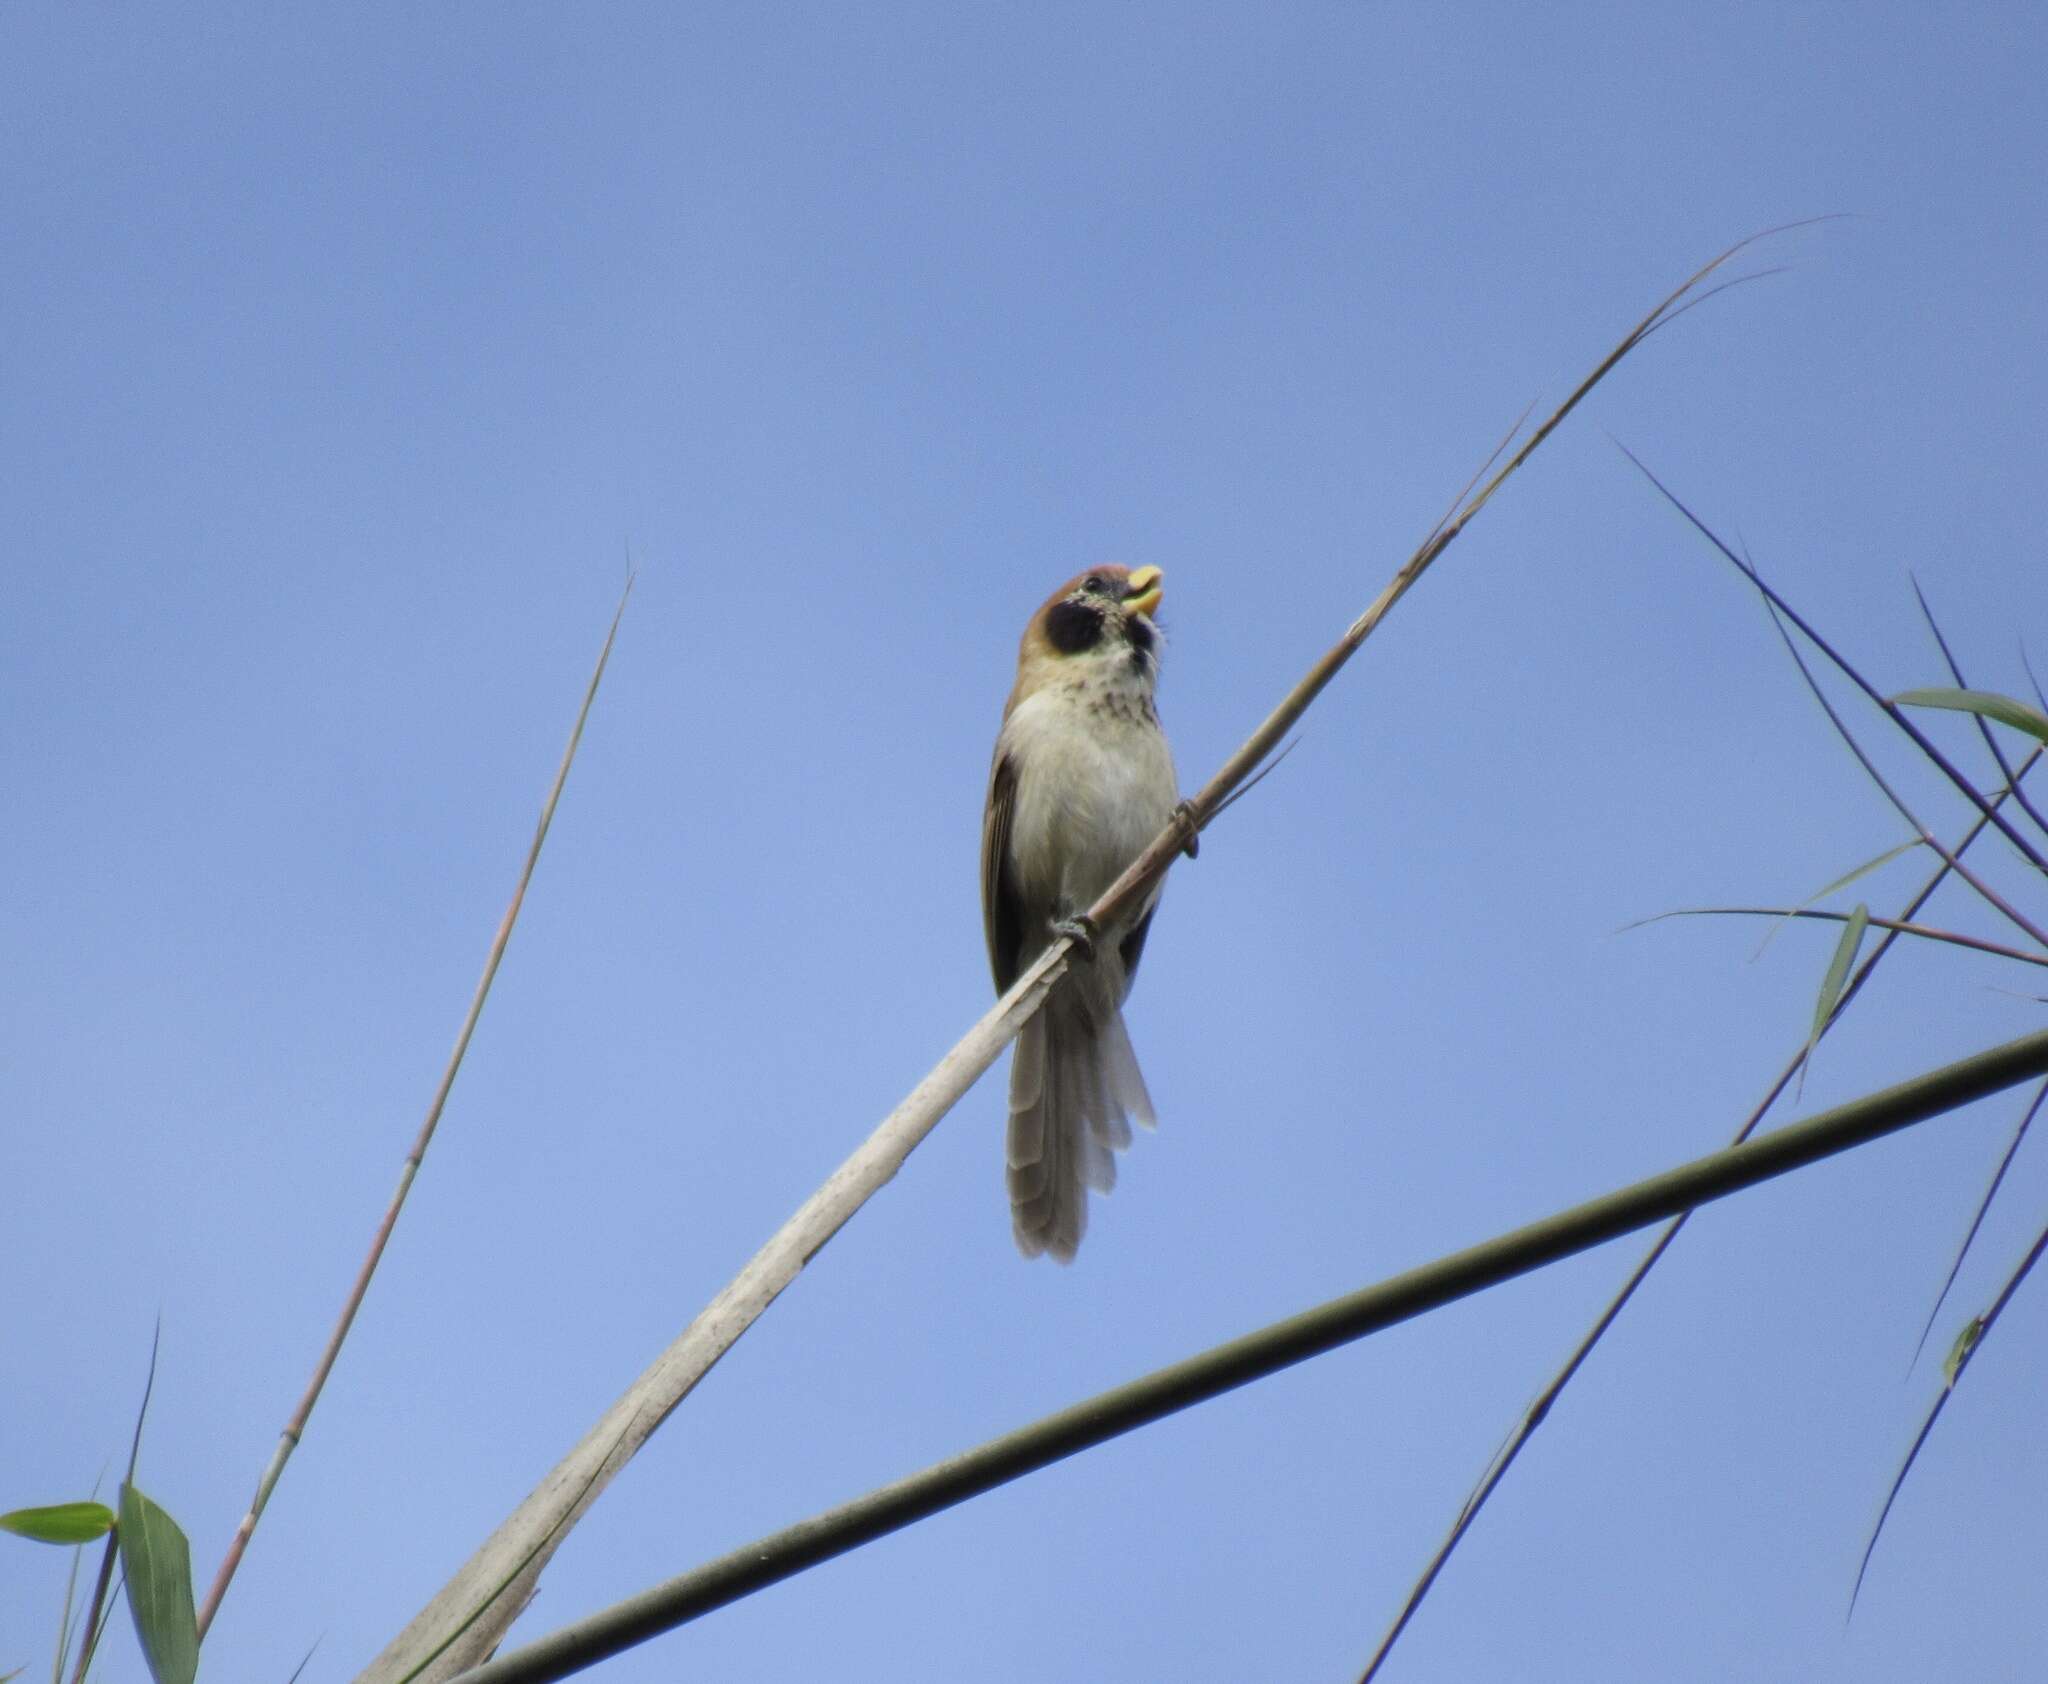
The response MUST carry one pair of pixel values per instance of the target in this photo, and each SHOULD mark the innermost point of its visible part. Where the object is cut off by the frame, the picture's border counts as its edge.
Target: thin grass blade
(1976, 1222)
(1919, 739)
(1892, 1496)
(63, 1652)
(1534, 1417)
(101, 1606)
(1959, 1357)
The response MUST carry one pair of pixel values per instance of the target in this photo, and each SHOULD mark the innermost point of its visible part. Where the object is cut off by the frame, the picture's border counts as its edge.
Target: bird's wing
(1002, 909)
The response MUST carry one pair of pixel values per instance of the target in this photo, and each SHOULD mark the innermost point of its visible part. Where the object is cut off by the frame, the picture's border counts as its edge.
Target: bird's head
(1096, 622)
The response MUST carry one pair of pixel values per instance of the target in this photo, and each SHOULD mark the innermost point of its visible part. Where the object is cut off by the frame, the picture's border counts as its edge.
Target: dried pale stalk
(295, 1428)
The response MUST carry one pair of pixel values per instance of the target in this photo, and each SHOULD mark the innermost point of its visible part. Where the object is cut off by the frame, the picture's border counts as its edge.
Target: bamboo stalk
(783, 1554)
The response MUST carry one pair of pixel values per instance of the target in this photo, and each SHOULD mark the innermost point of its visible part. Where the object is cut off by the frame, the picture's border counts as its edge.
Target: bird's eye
(1095, 585)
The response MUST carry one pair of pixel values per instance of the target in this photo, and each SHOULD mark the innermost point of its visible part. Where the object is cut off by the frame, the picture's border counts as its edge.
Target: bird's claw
(1191, 845)
(1081, 931)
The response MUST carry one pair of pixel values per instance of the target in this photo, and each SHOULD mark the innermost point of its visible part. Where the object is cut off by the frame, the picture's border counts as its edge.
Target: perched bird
(1081, 781)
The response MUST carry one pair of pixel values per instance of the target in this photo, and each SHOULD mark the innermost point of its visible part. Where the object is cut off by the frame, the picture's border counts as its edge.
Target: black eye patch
(1073, 626)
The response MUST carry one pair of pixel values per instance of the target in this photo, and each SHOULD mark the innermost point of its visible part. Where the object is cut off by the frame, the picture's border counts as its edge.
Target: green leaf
(1987, 703)
(1841, 882)
(158, 1565)
(1959, 1352)
(60, 1523)
(1832, 984)
(1848, 877)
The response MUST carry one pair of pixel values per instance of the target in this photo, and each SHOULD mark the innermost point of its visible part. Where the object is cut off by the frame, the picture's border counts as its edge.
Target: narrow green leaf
(1849, 877)
(60, 1523)
(1832, 984)
(1841, 882)
(158, 1563)
(1987, 703)
(1959, 1352)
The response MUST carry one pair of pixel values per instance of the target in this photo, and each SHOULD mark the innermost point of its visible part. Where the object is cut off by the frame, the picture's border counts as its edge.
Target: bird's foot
(1081, 931)
(1191, 844)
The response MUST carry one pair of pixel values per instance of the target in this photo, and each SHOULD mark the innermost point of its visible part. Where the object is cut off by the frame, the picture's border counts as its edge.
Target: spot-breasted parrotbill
(1082, 780)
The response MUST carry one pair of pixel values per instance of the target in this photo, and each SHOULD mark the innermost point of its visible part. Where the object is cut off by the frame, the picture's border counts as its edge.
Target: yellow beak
(1143, 590)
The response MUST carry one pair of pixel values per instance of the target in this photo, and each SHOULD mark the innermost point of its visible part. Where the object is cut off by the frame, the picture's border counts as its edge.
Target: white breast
(1095, 783)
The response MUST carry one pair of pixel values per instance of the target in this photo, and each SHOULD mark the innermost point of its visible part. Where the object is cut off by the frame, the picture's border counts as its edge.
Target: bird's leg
(1191, 844)
(1079, 929)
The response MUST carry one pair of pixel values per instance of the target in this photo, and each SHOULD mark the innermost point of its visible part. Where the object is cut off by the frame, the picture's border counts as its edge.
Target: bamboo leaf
(1988, 704)
(1832, 984)
(60, 1523)
(1842, 882)
(1864, 869)
(158, 1564)
(1838, 970)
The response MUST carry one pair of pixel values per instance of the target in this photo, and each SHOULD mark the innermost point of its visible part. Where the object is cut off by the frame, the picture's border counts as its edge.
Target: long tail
(1075, 1090)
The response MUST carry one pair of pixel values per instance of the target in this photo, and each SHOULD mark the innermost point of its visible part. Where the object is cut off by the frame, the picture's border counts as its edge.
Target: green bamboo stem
(783, 1554)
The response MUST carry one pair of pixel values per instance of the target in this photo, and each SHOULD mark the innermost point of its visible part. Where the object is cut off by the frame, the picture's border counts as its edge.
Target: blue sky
(350, 353)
